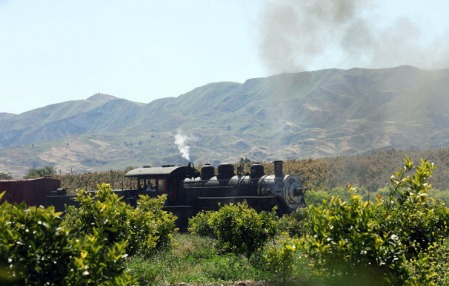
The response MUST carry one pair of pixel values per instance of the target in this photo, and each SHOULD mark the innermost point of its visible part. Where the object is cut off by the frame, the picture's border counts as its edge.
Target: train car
(32, 192)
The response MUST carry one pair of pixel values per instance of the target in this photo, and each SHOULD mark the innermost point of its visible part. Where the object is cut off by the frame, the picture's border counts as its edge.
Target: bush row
(88, 246)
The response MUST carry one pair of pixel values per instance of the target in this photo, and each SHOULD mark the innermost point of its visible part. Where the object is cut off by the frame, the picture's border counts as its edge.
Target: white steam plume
(180, 141)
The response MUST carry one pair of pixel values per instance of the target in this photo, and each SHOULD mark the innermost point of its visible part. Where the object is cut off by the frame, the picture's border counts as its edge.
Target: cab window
(150, 185)
(161, 187)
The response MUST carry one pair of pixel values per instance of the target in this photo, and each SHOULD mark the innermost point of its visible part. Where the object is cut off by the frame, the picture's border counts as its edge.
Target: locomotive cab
(168, 179)
(155, 181)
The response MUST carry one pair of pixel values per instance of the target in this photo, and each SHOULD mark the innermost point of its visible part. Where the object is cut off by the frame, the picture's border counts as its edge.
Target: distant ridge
(101, 97)
(287, 116)
(5, 115)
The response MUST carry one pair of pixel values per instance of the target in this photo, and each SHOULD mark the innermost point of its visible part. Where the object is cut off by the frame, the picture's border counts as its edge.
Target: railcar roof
(29, 180)
(152, 171)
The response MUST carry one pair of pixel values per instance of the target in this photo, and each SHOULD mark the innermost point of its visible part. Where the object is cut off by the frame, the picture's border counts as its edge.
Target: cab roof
(163, 171)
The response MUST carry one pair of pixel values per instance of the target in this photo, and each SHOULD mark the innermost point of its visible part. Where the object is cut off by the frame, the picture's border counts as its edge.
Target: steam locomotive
(190, 191)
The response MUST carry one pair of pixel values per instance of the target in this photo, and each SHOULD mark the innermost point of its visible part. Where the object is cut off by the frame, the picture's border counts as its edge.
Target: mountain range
(329, 112)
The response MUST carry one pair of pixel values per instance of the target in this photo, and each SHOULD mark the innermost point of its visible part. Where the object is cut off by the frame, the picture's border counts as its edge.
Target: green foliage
(200, 225)
(144, 228)
(396, 237)
(279, 258)
(360, 240)
(227, 267)
(36, 249)
(343, 239)
(430, 267)
(414, 187)
(103, 213)
(40, 172)
(151, 227)
(316, 197)
(88, 247)
(294, 223)
(238, 228)
(241, 229)
(411, 213)
(192, 260)
(147, 271)
(96, 263)
(33, 246)
(5, 176)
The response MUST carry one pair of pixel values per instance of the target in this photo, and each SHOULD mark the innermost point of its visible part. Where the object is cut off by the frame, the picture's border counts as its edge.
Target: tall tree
(5, 176)
(40, 172)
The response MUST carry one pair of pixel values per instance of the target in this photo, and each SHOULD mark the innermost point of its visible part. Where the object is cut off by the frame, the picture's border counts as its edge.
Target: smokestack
(278, 172)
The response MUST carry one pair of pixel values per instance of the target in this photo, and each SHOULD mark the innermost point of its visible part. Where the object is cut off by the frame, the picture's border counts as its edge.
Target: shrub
(343, 239)
(377, 238)
(89, 247)
(96, 263)
(144, 228)
(408, 211)
(430, 267)
(316, 197)
(150, 227)
(36, 249)
(293, 223)
(103, 213)
(241, 230)
(199, 224)
(279, 258)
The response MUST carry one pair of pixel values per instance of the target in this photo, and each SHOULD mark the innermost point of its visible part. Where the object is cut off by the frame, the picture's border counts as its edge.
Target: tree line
(369, 171)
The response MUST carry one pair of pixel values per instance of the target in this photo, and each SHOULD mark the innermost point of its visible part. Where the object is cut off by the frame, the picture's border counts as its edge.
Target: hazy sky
(60, 50)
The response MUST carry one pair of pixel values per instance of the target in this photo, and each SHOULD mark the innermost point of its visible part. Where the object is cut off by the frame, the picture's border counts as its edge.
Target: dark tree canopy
(40, 172)
(5, 176)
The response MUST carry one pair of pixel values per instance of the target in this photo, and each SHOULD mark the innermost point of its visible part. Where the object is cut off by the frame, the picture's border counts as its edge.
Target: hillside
(286, 116)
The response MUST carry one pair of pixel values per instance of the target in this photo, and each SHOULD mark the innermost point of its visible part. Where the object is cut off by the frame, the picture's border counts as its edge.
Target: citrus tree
(366, 240)
(238, 228)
